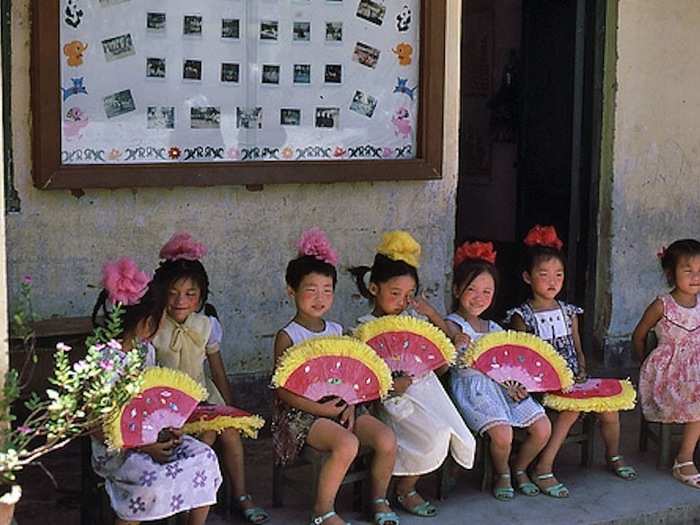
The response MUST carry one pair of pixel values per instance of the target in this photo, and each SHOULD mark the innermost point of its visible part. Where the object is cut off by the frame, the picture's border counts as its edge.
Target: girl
(669, 381)
(425, 421)
(184, 338)
(330, 426)
(164, 478)
(557, 323)
(486, 406)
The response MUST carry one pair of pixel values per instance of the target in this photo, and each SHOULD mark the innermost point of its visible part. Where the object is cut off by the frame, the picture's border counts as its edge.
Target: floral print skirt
(141, 489)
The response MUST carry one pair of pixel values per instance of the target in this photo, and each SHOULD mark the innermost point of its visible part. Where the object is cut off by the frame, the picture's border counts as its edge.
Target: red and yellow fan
(221, 417)
(333, 366)
(408, 345)
(167, 398)
(517, 356)
(594, 395)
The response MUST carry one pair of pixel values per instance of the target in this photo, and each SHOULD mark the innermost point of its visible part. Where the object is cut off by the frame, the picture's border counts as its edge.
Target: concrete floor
(596, 495)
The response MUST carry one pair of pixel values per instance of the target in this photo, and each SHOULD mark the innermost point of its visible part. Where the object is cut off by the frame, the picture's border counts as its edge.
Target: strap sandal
(556, 491)
(692, 480)
(320, 519)
(255, 515)
(384, 518)
(504, 493)
(625, 472)
(528, 488)
(424, 510)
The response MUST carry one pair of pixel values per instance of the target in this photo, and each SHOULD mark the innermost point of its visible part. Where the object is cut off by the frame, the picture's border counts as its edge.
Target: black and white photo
(155, 67)
(363, 104)
(333, 74)
(192, 70)
(290, 117)
(192, 25)
(249, 118)
(119, 103)
(269, 30)
(270, 74)
(327, 117)
(302, 73)
(160, 117)
(155, 22)
(205, 117)
(371, 11)
(334, 31)
(301, 32)
(231, 28)
(230, 72)
(118, 47)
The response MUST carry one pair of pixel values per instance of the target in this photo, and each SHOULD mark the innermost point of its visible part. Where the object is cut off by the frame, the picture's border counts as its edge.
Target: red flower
(543, 236)
(475, 250)
(174, 153)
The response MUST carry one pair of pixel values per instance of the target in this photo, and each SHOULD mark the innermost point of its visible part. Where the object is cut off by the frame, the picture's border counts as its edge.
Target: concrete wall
(656, 166)
(61, 240)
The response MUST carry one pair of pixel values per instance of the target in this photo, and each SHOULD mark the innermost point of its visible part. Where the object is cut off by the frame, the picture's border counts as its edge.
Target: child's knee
(385, 442)
(541, 429)
(231, 437)
(346, 446)
(609, 418)
(501, 436)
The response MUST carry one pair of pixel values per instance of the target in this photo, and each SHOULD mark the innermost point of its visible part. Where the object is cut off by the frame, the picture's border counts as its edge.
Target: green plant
(84, 394)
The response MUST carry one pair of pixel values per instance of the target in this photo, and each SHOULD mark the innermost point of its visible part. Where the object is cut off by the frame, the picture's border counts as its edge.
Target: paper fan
(220, 417)
(166, 399)
(595, 395)
(518, 356)
(333, 366)
(408, 345)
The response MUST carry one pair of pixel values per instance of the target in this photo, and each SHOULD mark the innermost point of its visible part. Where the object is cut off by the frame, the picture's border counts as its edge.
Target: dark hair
(466, 272)
(153, 303)
(537, 254)
(304, 265)
(381, 270)
(674, 253)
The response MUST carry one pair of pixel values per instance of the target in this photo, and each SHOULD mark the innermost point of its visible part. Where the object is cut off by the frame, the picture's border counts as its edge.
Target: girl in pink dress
(669, 380)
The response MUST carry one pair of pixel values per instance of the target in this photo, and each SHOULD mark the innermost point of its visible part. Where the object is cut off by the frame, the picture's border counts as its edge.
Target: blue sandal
(255, 515)
(556, 491)
(528, 488)
(625, 472)
(383, 518)
(504, 493)
(424, 510)
(320, 519)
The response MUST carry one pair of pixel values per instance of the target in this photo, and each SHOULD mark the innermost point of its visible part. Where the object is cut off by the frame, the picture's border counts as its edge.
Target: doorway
(530, 112)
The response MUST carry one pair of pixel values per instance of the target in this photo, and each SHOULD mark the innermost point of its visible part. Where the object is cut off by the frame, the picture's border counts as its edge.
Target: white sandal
(693, 480)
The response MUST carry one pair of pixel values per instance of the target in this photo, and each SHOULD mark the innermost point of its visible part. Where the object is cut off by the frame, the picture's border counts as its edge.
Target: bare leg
(373, 433)
(198, 516)
(537, 436)
(560, 429)
(327, 436)
(691, 434)
(500, 447)
(124, 522)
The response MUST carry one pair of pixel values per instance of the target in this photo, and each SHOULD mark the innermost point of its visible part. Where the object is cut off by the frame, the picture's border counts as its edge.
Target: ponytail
(358, 273)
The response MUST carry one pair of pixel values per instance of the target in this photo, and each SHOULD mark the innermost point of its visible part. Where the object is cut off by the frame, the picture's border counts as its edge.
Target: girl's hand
(347, 417)
(401, 384)
(461, 341)
(162, 451)
(516, 390)
(332, 408)
(582, 375)
(421, 305)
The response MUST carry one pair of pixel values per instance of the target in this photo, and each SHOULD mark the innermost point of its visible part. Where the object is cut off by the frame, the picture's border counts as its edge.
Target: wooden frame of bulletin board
(236, 91)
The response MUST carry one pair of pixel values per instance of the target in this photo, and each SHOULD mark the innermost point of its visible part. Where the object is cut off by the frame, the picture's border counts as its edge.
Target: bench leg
(588, 445)
(277, 485)
(664, 461)
(643, 434)
(487, 466)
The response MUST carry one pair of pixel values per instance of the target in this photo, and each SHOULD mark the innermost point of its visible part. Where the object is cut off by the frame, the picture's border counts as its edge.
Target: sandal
(556, 491)
(504, 493)
(693, 480)
(528, 488)
(625, 472)
(317, 520)
(383, 518)
(255, 515)
(425, 509)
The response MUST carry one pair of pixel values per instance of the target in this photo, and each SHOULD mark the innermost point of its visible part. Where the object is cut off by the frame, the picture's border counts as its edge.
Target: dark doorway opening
(529, 127)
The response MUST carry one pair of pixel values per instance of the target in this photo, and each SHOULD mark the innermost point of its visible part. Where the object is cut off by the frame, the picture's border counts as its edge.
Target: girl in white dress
(426, 423)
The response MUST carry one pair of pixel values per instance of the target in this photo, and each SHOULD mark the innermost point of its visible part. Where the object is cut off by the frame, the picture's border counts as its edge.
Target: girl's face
(184, 298)
(687, 275)
(478, 295)
(546, 278)
(393, 296)
(314, 297)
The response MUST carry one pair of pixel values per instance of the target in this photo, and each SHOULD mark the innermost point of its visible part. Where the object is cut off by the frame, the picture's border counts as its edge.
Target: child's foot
(415, 504)
(502, 488)
(525, 484)
(686, 473)
(617, 465)
(550, 485)
(250, 512)
(382, 513)
(327, 518)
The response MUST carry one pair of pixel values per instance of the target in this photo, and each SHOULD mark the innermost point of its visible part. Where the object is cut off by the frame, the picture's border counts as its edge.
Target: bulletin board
(235, 91)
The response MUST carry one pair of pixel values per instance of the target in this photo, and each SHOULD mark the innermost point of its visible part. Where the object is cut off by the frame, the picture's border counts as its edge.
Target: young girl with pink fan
(426, 423)
(488, 407)
(557, 323)
(176, 474)
(669, 380)
(184, 338)
(332, 425)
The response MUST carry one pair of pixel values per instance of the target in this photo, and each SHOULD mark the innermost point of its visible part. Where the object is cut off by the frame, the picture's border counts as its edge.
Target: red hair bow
(543, 236)
(475, 250)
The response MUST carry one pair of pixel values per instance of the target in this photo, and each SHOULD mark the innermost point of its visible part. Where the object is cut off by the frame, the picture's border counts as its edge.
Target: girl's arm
(423, 307)
(459, 338)
(577, 345)
(331, 408)
(651, 316)
(218, 376)
(517, 323)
